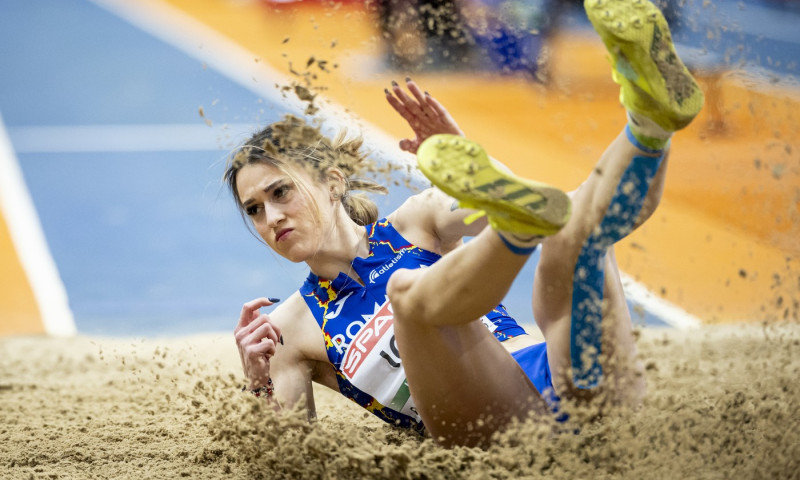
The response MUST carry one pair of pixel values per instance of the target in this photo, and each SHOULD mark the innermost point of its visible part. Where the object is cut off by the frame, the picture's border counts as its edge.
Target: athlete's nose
(274, 214)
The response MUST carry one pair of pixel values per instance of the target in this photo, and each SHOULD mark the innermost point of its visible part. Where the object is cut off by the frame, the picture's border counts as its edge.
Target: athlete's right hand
(257, 339)
(424, 114)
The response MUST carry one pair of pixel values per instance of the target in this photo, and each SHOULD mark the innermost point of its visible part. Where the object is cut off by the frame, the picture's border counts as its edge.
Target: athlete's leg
(578, 301)
(621, 380)
(608, 206)
(580, 258)
(465, 384)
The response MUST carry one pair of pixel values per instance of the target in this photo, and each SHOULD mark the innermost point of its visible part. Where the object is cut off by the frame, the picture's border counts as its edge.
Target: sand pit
(723, 402)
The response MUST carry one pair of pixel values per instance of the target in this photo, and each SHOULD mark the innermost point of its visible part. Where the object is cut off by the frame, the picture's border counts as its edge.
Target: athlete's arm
(273, 347)
(432, 220)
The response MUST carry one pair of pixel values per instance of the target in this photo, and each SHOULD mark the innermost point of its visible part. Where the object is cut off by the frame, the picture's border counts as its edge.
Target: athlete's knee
(406, 303)
(557, 261)
(400, 291)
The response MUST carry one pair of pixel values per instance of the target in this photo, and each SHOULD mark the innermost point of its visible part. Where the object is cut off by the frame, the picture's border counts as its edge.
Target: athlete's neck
(345, 241)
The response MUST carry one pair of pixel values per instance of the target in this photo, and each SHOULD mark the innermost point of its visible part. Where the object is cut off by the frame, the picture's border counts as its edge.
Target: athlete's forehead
(256, 178)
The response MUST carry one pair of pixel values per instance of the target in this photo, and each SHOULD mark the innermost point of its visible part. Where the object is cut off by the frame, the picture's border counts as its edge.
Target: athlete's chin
(294, 253)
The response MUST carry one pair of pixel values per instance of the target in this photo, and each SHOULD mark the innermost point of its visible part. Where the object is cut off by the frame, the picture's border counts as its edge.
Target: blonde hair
(291, 140)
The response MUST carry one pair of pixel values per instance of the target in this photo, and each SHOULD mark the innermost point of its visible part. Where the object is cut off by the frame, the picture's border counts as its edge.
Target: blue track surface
(145, 238)
(146, 242)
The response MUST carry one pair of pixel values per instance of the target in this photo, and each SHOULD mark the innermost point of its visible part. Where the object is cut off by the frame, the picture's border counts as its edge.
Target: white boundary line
(29, 240)
(667, 311)
(228, 58)
(125, 138)
(208, 46)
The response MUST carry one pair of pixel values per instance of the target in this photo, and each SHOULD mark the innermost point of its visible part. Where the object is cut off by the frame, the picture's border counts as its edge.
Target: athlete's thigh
(464, 383)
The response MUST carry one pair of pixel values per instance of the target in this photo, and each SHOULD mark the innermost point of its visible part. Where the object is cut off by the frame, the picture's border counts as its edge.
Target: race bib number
(372, 364)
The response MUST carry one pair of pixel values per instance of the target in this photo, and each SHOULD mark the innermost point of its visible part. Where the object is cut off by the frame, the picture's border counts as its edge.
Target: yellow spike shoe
(653, 80)
(463, 170)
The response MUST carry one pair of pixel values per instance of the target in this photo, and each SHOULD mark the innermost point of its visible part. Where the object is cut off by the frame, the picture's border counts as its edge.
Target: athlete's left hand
(257, 338)
(424, 114)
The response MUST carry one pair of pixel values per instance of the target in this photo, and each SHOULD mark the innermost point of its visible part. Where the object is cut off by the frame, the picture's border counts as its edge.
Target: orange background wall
(724, 244)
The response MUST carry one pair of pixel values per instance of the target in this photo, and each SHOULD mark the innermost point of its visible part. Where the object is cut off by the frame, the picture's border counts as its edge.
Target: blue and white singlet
(357, 323)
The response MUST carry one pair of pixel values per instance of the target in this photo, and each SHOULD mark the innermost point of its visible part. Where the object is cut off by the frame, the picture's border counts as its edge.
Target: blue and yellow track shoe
(463, 170)
(653, 80)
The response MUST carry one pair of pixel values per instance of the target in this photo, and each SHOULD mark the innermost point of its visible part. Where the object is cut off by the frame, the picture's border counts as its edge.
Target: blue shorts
(533, 361)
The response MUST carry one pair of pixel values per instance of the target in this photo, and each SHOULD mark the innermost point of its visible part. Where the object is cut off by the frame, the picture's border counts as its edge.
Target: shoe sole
(463, 170)
(637, 36)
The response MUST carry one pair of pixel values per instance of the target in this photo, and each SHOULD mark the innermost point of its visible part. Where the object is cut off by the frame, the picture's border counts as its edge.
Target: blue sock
(641, 146)
(516, 249)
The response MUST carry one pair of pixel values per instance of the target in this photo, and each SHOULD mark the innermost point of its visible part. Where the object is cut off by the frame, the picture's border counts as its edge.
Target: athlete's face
(283, 214)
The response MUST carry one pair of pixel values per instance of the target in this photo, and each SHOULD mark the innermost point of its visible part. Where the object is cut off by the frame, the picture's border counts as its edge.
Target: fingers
(250, 310)
(436, 106)
(415, 90)
(407, 145)
(261, 326)
(257, 344)
(410, 146)
(401, 94)
(265, 349)
(398, 106)
(412, 105)
(266, 330)
(429, 106)
(423, 109)
(241, 333)
(449, 125)
(256, 339)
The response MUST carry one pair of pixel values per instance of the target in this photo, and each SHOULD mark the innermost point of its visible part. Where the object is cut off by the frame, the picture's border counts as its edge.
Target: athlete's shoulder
(291, 313)
(431, 201)
(437, 219)
(415, 219)
(298, 327)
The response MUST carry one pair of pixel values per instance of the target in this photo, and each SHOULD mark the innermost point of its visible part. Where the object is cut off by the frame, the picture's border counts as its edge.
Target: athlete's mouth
(283, 234)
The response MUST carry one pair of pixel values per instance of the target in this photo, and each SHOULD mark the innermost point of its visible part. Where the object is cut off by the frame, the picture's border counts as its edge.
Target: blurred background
(116, 119)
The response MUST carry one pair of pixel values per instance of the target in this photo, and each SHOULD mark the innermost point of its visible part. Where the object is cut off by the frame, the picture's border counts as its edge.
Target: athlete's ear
(337, 183)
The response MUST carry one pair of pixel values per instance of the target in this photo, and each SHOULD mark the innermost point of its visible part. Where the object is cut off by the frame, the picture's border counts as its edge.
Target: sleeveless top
(357, 324)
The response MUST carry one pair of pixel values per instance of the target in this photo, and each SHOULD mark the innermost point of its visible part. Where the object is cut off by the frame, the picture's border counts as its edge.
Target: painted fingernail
(427, 94)
(281, 339)
(394, 84)
(386, 91)
(274, 300)
(408, 79)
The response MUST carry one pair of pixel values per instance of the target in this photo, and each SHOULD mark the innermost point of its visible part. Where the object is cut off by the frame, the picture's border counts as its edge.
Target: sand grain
(723, 402)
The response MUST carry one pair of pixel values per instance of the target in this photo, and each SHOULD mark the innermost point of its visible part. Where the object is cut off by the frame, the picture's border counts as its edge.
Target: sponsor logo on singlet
(488, 323)
(372, 363)
(373, 275)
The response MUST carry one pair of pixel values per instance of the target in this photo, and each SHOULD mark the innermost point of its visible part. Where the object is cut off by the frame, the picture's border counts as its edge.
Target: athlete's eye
(281, 191)
(253, 210)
